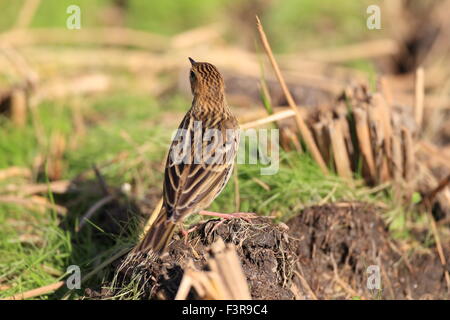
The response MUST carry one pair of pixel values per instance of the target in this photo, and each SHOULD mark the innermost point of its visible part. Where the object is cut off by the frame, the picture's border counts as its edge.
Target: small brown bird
(200, 160)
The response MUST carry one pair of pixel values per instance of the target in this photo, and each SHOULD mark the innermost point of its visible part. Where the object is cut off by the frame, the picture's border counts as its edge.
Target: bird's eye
(192, 75)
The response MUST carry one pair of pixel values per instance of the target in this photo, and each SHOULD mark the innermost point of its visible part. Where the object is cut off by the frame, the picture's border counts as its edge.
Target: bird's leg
(185, 232)
(240, 215)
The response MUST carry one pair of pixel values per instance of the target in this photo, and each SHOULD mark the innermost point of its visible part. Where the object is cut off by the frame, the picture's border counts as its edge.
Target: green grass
(23, 265)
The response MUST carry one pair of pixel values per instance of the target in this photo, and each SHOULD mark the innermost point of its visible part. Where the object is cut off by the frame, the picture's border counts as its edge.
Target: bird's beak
(192, 61)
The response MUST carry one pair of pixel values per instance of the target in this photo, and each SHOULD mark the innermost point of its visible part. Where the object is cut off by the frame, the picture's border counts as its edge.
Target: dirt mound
(342, 246)
(325, 254)
(264, 249)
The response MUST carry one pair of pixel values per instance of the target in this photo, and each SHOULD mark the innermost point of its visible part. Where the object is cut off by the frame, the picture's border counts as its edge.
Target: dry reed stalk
(408, 154)
(269, 119)
(419, 96)
(87, 58)
(396, 160)
(97, 36)
(185, 286)
(225, 262)
(386, 90)
(61, 88)
(34, 202)
(36, 292)
(304, 130)
(375, 119)
(431, 183)
(14, 172)
(224, 281)
(430, 196)
(262, 184)
(152, 218)
(18, 107)
(51, 271)
(4, 287)
(322, 138)
(385, 118)
(27, 13)
(21, 66)
(60, 186)
(364, 141)
(345, 127)
(93, 209)
(55, 162)
(339, 150)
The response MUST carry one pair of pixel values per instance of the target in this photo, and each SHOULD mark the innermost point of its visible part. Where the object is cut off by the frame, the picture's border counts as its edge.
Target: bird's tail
(159, 235)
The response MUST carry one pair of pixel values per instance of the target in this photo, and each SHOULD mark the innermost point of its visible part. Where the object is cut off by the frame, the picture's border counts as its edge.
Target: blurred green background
(291, 24)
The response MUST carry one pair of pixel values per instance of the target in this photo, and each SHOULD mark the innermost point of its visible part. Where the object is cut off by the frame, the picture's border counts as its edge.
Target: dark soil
(264, 249)
(324, 254)
(338, 244)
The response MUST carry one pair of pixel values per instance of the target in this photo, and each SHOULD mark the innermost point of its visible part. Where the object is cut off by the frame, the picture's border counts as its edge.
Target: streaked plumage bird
(201, 157)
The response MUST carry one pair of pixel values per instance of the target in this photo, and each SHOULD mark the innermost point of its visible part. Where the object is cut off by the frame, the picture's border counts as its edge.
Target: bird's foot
(247, 216)
(186, 233)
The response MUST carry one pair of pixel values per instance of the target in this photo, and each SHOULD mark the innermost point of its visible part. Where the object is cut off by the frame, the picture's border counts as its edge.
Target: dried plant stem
(362, 130)
(272, 118)
(339, 150)
(60, 186)
(152, 218)
(37, 292)
(33, 202)
(102, 202)
(419, 96)
(27, 13)
(408, 154)
(19, 107)
(14, 172)
(429, 198)
(97, 36)
(304, 130)
(224, 281)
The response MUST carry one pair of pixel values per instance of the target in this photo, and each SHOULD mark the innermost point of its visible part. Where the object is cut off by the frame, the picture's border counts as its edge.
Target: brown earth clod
(325, 254)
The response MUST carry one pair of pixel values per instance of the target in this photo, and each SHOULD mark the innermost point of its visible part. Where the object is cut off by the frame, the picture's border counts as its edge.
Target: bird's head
(206, 80)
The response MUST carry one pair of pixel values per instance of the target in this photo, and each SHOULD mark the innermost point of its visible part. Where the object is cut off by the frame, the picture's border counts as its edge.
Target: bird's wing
(199, 164)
